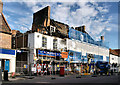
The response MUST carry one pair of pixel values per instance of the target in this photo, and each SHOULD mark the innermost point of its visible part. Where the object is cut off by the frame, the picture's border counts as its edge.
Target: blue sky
(100, 18)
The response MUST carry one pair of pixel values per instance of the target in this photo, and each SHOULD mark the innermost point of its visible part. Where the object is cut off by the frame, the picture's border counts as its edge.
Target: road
(67, 79)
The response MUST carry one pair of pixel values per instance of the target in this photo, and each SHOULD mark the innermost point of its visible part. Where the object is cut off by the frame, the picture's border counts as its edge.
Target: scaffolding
(85, 37)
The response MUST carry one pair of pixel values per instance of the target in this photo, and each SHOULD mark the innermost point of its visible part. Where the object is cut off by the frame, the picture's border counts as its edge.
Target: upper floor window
(112, 58)
(44, 42)
(54, 44)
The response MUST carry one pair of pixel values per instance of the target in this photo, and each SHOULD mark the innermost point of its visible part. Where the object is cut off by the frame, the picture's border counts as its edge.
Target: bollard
(62, 71)
(6, 75)
(94, 74)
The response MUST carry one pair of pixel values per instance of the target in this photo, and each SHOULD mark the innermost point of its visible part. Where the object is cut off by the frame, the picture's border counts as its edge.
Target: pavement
(51, 79)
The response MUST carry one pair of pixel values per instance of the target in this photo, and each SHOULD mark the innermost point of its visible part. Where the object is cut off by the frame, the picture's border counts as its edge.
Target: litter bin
(5, 75)
(62, 71)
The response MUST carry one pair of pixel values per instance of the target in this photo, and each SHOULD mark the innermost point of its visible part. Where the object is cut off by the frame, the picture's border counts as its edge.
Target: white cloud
(35, 8)
(6, 16)
(92, 16)
(23, 28)
(108, 29)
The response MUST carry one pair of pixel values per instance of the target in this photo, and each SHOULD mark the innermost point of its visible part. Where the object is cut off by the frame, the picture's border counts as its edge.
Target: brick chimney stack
(102, 38)
(1, 6)
(83, 27)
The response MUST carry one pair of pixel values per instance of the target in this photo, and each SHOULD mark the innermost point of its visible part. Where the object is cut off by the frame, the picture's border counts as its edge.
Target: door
(7, 65)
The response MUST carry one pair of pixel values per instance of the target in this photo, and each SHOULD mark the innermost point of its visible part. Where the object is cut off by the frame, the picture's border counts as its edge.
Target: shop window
(52, 58)
(44, 57)
(44, 42)
(48, 58)
(54, 44)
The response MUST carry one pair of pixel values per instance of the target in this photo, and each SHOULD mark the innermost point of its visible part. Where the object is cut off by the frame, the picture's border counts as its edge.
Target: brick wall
(1, 7)
(5, 40)
(63, 28)
(19, 41)
(4, 25)
(41, 18)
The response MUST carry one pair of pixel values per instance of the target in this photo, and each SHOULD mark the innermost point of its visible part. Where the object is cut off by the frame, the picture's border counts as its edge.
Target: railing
(84, 37)
(20, 66)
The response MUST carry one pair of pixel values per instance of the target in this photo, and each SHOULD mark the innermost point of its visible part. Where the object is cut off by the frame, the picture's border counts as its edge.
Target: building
(7, 54)
(44, 24)
(44, 49)
(20, 43)
(84, 49)
(78, 44)
(52, 41)
(114, 59)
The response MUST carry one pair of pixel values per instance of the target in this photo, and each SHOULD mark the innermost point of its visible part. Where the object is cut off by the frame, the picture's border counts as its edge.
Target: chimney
(1, 6)
(83, 27)
(102, 38)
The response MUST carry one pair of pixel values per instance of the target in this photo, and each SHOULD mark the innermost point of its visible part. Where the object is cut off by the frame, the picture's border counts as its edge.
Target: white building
(42, 42)
(86, 48)
(39, 41)
(113, 59)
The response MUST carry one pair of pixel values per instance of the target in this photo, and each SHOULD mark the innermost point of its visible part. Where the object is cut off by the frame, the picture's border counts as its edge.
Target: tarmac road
(114, 79)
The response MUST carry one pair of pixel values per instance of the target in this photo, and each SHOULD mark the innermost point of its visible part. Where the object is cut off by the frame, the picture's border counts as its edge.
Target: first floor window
(44, 42)
(55, 44)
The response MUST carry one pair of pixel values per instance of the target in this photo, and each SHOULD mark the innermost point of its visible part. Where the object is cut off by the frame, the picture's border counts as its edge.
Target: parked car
(102, 67)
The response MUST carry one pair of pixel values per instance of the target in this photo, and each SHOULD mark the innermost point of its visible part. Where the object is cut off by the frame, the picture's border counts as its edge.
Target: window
(44, 42)
(37, 36)
(52, 29)
(112, 58)
(44, 57)
(54, 44)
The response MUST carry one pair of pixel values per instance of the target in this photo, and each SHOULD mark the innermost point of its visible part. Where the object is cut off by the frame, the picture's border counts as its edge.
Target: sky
(100, 18)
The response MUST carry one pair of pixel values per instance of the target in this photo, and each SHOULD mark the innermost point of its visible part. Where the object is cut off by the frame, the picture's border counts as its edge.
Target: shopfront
(50, 60)
(47, 55)
(8, 59)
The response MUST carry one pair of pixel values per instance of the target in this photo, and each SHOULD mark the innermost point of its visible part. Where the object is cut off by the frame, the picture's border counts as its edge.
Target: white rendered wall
(75, 45)
(83, 47)
(113, 59)
(36, 42)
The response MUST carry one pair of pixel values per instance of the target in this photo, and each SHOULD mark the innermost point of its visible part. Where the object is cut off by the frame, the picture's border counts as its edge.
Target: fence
(20, 66)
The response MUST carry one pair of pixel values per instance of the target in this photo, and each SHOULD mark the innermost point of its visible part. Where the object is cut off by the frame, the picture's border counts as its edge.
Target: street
(67, 79)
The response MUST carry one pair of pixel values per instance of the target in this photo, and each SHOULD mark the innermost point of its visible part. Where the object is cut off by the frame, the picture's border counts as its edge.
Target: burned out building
(44, 24)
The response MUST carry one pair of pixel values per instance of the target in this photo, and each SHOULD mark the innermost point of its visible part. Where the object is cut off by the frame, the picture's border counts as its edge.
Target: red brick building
(7, 55)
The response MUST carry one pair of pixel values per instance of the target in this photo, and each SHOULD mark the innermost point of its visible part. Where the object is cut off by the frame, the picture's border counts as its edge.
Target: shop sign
(33, 69)
(64, 54)
(7, 51)
(25, 66)
(47, 53)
